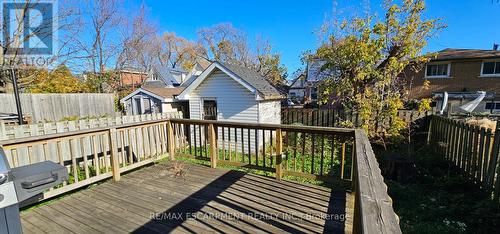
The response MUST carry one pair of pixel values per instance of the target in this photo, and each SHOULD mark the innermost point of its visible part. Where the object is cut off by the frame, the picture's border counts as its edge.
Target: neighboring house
(297, 89)
(176, 77)
(179, 76)
(233, 93)
(461, 73)
(132, 77)
(168, 76)
(151, 99)
(196, 71)
(304, 89)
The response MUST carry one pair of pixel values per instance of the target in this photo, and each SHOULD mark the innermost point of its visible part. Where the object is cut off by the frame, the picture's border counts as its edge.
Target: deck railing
(91, 155)
(335, 155)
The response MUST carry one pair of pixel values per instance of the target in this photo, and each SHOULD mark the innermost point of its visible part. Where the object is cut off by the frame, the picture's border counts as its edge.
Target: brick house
(132, 77)
(461, 73)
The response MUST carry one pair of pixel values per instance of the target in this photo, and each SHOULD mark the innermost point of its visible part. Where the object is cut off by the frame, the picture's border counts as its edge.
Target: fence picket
(471, 149)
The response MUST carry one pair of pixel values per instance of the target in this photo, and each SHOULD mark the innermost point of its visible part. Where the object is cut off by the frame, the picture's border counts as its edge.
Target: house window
(209, 110)
(491, 68)
(437, 70)
(314, 93)
(492, 106)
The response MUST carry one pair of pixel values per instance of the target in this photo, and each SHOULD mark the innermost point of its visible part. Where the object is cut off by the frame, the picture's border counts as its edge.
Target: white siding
(270, 112)
(234, 102)
(194, 108)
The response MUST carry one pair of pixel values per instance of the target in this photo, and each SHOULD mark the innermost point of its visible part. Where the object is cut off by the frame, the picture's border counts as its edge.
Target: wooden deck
(156, 200)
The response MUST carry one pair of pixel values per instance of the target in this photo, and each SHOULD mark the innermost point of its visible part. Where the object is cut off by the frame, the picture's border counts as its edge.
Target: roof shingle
(456, 54)
(164, 92)
(255, 79)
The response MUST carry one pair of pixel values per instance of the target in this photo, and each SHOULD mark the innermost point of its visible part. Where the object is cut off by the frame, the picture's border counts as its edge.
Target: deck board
(221, 200)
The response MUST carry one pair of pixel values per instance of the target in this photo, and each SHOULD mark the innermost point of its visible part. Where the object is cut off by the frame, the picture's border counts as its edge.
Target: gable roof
(197, 69)
(163, 74)
(300, 78)
(255, 79)
(456, 54)
(248, 78)
(163, 94)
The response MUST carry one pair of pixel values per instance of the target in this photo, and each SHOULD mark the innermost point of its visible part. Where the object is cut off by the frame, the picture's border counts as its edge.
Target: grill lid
(4, 166)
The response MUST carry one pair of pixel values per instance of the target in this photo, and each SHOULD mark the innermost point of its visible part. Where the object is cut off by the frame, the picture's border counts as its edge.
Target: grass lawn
(440, 200)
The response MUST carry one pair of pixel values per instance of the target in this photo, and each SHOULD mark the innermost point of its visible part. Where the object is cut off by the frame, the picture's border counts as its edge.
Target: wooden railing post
(170, 140)
(279, 154)
(213, 145)
(113, 147)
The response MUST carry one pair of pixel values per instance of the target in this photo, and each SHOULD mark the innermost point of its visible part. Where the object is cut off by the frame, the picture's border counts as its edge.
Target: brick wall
(465, 77)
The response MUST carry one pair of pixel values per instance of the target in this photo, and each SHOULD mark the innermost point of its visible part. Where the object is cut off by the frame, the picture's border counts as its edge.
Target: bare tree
(104, 18)
(140, 43)
(177, 51)
(225, 43)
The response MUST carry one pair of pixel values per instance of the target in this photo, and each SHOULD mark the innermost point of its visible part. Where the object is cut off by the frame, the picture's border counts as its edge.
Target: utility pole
(16, 95)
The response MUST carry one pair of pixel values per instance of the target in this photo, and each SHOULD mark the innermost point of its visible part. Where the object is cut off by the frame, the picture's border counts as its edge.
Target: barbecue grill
(20, 183)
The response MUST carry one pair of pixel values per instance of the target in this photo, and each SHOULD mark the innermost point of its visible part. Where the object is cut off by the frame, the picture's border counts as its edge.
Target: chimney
(495, 46)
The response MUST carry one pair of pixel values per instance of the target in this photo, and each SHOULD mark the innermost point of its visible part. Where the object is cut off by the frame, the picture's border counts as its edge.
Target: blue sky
(290, 25)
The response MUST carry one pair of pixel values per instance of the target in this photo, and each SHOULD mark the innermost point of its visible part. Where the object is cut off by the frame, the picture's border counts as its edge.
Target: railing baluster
(342, 160)
(200, 140)
(249, 148)
(303, 151)
(295, 150)
(73, 160)
(332, 152)
(264, 148)
(322, 154)
(122, 147)
(130, 148)
(256, 139)
(85, 159)
(170, 140)
(242, 147)
(271, 147)
(95, 153)
(205, 129)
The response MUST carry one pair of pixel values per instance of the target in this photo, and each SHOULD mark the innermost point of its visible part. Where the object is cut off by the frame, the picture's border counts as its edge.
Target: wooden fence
(336, 118)
(19, 131)
(54, 107)
(471, 149)
(328, 154)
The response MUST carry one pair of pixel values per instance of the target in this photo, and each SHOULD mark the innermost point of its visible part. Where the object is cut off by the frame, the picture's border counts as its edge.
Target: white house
(233, 93)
